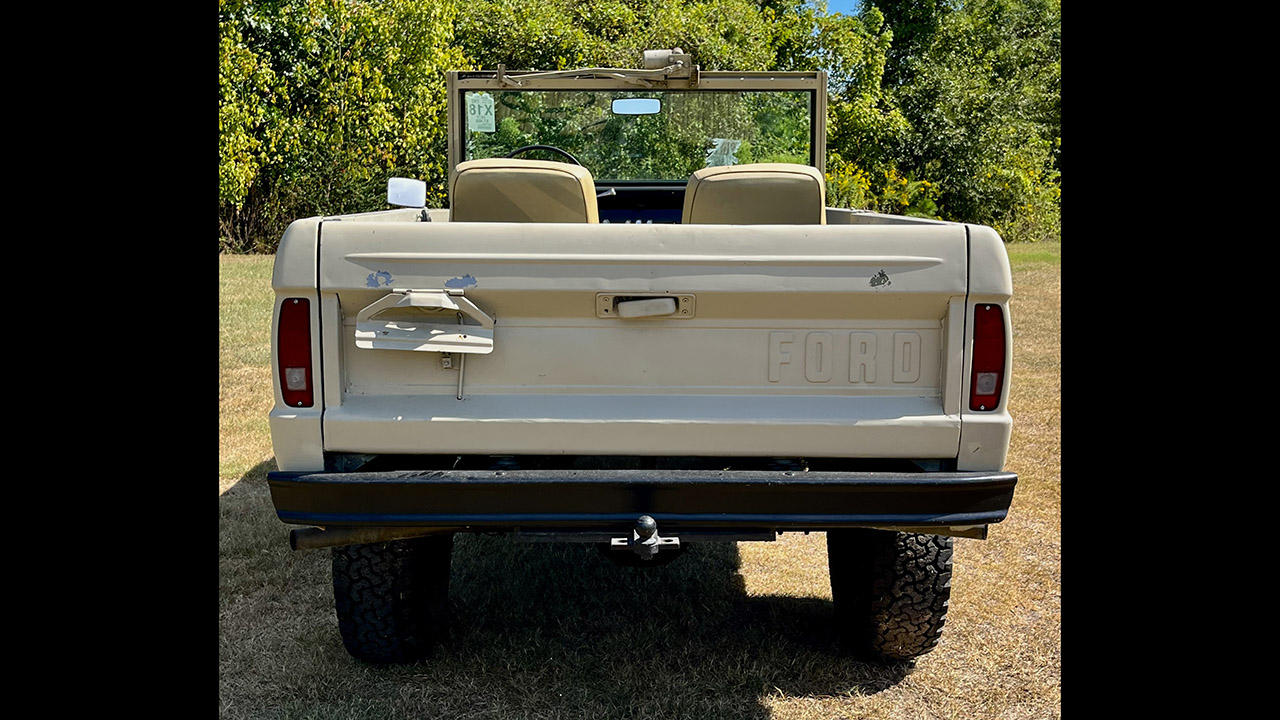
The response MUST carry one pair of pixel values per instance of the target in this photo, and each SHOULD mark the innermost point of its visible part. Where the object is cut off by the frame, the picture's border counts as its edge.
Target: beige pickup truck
(638, 325)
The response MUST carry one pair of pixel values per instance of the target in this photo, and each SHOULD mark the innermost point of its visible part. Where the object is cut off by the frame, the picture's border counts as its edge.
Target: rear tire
(392, 598)
(890, 589)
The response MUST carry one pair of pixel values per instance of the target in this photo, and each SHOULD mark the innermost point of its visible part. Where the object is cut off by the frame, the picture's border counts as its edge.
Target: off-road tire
(392, 598)
(890, 590)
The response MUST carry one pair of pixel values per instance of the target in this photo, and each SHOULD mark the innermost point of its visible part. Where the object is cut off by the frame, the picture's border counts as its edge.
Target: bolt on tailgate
(816, 340)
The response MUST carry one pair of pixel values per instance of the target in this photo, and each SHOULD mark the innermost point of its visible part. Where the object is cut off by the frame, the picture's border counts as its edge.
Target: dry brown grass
(244, 365)
(554, 631)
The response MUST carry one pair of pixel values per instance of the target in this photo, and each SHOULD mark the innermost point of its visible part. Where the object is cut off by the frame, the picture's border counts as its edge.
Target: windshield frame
(813, 82)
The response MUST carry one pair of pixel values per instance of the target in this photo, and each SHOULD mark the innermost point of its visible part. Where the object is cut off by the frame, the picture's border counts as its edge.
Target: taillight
(988, 358)
(293, 352)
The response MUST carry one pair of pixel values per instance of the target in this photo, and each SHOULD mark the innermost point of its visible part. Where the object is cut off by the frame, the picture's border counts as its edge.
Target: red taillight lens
(293, 352)
(988, 358)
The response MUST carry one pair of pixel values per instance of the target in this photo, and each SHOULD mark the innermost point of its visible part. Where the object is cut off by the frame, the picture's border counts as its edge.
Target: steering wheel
(552, 148)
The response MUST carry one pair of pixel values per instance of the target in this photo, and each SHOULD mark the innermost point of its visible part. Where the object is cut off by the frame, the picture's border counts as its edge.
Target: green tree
(865, 126)
(563, 34)
(866, 132)
(244, 92)
(523, 35)
(943, 107)
(326, 100)
(979, 85)
(915, 25)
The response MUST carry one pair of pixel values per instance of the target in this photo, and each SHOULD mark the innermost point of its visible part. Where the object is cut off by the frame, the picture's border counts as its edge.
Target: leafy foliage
(981, 93)
(326, 100)
(865, 126)
(944, 108)
(562, 34)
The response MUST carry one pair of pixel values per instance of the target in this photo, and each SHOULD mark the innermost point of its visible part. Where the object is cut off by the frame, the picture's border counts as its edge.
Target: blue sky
(848, 7)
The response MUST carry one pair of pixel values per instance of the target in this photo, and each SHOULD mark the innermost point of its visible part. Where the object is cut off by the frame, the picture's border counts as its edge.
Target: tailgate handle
(396, 322)
(624, 305)
(646, 307)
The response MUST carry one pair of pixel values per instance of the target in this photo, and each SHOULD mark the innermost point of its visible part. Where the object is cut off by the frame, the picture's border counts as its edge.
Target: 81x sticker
(480, 112)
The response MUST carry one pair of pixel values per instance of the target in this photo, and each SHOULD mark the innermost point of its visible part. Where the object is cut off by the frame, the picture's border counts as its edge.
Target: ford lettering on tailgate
(870, 358)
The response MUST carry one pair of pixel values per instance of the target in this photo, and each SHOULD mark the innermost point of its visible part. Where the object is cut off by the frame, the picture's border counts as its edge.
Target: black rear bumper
(606, 499)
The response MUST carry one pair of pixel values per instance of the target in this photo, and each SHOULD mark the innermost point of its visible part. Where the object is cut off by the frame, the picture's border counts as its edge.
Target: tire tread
(392, 598)
(892, 590)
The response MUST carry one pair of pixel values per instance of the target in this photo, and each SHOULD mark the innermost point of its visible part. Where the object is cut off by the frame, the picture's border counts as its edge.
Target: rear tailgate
(820, 341)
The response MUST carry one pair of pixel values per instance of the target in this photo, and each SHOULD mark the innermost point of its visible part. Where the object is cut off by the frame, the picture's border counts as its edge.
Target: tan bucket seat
(756, 194)
(520, 190)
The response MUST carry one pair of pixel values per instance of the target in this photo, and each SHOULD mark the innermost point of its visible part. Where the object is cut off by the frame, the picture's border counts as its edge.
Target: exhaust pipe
(312, 538)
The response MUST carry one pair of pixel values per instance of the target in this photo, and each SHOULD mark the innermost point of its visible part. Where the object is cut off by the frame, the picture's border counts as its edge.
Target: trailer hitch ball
(644, 542)
(644, 539)
(646, 527)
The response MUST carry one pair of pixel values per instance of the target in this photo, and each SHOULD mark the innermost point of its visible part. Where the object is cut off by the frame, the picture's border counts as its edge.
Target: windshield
(666, 137)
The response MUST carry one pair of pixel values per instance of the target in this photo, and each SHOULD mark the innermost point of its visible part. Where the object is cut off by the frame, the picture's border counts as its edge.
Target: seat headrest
(756, 194)
(519, 190)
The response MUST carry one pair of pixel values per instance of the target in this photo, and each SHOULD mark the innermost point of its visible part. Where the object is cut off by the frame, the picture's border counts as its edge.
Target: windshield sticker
(722, 152)
(480, 112)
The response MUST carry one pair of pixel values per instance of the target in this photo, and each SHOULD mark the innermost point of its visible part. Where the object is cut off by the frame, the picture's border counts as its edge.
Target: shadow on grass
(539, 630)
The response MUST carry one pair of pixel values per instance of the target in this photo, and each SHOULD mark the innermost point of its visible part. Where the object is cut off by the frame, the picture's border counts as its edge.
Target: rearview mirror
(636, 106)
(406, 192)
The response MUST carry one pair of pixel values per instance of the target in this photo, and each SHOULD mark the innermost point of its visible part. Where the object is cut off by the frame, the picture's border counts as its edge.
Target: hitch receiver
(645, 540)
